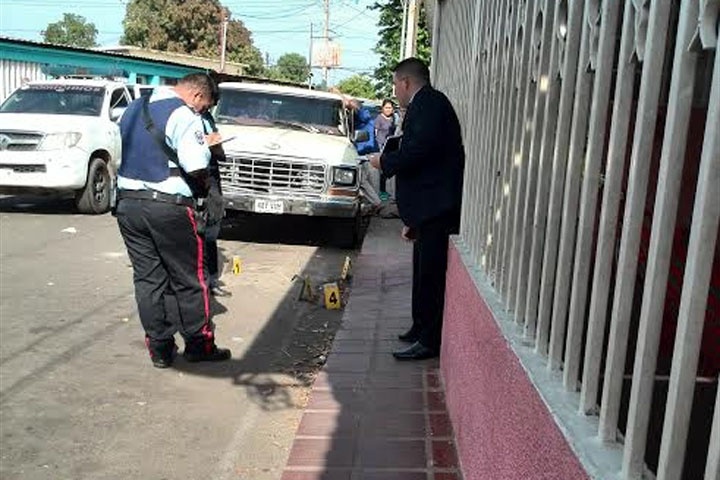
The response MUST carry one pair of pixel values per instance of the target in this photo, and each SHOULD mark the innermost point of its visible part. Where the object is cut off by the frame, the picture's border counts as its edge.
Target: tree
(293, 67)
(251, 56)
(357, 86)
(388, 47)
(193, 27)
(72, 30)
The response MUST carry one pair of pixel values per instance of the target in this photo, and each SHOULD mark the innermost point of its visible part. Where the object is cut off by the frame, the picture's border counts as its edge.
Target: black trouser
(430, 252)
(167, 256)
(213, 231)
(383, 183)
(211, 258)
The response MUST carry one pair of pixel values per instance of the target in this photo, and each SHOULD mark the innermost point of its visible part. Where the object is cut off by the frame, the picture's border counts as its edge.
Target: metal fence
(14, 74)
(591, 204)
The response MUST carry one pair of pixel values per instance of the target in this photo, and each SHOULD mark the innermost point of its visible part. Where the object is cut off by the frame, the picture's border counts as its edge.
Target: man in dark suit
(429, 166)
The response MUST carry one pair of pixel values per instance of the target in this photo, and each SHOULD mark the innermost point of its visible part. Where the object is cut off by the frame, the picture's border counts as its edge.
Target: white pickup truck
(289, 151)
(62, 136)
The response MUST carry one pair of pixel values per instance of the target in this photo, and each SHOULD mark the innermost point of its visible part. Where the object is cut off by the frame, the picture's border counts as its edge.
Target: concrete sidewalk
(370, 417)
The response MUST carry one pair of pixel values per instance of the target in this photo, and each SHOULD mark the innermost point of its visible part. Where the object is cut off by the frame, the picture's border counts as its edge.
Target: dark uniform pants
(430, 255)
(168, 271)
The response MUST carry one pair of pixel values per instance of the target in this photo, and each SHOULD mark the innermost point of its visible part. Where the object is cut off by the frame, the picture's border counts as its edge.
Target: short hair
(387, 101)
(203, 82)
(414, 68)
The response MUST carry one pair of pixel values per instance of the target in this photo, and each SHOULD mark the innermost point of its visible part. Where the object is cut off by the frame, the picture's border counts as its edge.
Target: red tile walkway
(369, 416)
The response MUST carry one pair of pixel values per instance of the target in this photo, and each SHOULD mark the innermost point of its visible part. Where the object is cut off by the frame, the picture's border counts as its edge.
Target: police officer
(164, 169)
(215, 204)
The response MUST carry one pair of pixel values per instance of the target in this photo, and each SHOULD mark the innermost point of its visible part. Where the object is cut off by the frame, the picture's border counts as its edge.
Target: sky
(277, 26)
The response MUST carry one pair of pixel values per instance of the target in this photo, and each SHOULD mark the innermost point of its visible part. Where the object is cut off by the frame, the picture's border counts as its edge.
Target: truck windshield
(56, 100)
(316, 115)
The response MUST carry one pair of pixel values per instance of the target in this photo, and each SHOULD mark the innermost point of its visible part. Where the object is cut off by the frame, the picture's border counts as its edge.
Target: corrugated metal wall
(591, 204)
(14, 73)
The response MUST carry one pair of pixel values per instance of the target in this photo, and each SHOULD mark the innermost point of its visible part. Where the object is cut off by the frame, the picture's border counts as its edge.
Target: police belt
(156, 196)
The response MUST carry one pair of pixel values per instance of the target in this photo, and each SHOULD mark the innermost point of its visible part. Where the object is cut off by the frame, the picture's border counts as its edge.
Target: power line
(348, 21)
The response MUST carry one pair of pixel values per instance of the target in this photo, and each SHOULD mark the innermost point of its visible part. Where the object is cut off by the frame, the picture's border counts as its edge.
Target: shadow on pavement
(293, 344)
(41, 204)
(285, 354)
(289, 230)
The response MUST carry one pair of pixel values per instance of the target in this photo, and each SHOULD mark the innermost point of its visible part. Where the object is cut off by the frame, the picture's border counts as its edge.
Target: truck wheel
(95, 197)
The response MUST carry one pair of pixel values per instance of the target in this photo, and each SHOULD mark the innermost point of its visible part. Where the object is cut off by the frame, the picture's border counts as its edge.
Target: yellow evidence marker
(332, 296)
(237, 265)
(346, 269)
(307, 293)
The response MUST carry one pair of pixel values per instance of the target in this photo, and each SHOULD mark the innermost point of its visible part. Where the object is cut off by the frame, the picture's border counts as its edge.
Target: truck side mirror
(116, 113)
(360, 136)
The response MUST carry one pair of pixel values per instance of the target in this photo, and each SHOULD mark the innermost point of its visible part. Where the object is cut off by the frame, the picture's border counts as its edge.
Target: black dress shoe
(215, 355)
(409, 336)
(416, 351)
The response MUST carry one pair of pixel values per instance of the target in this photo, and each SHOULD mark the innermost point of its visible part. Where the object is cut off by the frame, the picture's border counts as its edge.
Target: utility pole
(327, 39)
(402, 29)
(412, 26)
(310, 62)
(224, 42)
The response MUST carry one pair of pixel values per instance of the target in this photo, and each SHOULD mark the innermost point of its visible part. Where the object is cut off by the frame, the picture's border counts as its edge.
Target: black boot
(212, 354)
(162, 352)
(202, 348)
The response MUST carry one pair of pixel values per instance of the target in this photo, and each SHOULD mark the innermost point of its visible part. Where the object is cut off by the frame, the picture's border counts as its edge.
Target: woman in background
(385, 126)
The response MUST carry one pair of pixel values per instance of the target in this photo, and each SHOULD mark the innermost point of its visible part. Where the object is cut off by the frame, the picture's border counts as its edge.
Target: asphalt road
(79, 398)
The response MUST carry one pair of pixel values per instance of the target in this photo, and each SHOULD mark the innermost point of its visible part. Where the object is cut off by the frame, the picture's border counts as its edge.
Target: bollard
(346, 269)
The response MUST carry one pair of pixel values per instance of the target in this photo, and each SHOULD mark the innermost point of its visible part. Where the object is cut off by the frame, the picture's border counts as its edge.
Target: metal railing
(573, 110)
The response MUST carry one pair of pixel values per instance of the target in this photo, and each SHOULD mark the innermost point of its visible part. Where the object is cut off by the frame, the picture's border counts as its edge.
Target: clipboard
(224, 140)
(392, 144)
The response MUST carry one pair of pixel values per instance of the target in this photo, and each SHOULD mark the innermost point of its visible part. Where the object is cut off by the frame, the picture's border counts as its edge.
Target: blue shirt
(364, 121)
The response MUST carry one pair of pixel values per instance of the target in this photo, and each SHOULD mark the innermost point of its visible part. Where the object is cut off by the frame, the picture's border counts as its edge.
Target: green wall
(69, 61)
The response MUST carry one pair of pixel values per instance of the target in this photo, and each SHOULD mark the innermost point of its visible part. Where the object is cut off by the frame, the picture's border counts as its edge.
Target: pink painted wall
(502, 427)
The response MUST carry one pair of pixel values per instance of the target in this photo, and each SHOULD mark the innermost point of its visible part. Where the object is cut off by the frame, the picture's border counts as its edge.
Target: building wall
(582, 325)
(22, 60)
(14, 73)
(503, 428)
(231, 68)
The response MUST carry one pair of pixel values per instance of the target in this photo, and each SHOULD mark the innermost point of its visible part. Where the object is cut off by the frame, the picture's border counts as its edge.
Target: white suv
(289, 151)
(62, 136)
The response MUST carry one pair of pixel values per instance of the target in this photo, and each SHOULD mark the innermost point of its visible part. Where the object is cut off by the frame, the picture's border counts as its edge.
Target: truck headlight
(59, 141)
(344, 176)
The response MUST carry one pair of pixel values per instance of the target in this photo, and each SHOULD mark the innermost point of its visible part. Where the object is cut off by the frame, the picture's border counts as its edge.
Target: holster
(200, 213)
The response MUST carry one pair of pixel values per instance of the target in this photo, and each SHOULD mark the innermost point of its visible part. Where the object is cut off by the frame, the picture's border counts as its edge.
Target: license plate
(269, 206)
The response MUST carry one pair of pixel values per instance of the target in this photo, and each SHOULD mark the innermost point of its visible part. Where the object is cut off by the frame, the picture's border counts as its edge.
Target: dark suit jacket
(430, 162)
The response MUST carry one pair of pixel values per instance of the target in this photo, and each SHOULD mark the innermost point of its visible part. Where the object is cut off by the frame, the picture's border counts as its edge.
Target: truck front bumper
(52, 170)
(322, 206)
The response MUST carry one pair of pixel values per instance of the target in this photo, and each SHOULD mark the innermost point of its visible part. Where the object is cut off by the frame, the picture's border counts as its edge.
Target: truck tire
(95, 197)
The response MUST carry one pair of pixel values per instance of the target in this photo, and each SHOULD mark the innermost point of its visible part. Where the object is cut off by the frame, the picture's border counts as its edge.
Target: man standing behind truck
(164, 170)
